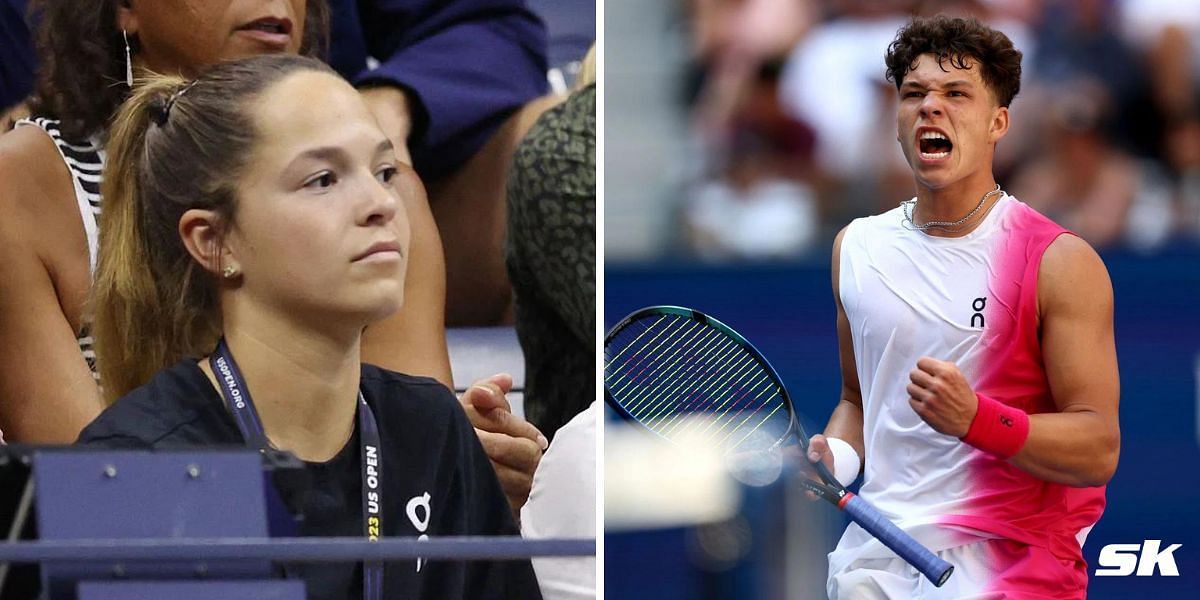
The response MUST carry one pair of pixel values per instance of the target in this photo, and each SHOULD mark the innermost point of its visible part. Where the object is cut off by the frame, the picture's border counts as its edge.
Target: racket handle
(869, 518)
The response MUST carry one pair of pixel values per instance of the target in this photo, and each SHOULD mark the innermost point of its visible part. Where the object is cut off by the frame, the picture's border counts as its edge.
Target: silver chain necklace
(911, 225)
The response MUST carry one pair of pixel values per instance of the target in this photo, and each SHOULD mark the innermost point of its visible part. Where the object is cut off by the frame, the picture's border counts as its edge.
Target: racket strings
(639, 356)
(695, 400)
(667, 367)
(655, 394)
(754, 413)
(742, 368)
(634, 343)
(705, 341)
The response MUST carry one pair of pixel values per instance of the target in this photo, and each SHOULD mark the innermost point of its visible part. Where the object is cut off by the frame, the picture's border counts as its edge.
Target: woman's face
(181, 36)
(320, 228)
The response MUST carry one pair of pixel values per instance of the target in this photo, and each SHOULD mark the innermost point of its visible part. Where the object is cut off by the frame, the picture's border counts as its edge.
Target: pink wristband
(998, 428)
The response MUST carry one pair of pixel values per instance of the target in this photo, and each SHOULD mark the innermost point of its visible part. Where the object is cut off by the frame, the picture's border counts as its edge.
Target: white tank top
(908, 294)
(971, 300)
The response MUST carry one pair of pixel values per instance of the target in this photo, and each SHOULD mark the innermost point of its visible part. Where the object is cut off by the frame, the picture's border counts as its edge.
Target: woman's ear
(202, 234)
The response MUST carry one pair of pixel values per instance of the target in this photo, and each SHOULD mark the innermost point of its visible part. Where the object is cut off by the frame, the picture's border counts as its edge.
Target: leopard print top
(551, 259)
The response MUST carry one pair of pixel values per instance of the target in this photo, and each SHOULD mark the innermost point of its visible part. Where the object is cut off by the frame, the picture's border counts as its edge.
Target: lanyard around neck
(237, 397)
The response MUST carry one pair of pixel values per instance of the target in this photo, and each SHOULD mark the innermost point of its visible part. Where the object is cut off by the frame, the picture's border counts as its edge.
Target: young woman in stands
(51, 169)
(255, 225)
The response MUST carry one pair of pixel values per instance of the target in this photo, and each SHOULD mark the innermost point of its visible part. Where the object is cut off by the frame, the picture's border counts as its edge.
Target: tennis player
(979, 370)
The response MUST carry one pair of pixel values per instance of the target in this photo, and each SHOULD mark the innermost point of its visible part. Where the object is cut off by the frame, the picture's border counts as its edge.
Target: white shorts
(988, 569)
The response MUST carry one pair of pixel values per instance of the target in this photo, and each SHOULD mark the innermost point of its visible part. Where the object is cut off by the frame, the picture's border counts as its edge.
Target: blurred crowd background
(774, 127)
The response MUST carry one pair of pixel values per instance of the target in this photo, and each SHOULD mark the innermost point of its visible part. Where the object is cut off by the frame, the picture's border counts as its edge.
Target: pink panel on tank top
(1005, 500)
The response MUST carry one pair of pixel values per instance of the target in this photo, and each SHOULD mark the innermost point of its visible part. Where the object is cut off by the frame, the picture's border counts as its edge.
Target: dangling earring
(128, 61)
(229, 272)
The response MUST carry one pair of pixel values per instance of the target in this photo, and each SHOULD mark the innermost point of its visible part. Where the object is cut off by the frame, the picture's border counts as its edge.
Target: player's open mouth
(933, 144)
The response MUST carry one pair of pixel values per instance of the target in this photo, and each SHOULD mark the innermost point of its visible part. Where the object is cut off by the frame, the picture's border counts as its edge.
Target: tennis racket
(663, 364)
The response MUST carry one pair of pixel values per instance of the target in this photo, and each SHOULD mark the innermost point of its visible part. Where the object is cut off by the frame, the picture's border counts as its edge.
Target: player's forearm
(1077, 448)
(846, 423)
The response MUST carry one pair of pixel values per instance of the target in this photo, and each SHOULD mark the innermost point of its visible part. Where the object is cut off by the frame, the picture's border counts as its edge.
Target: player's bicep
(851, 392)
(849, 367)
(1076, 302)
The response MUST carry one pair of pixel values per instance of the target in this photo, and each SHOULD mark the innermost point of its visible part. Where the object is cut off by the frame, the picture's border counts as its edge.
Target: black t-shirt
(429, 447)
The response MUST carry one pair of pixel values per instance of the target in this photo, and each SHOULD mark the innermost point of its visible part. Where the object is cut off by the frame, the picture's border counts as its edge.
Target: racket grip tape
(869, 518)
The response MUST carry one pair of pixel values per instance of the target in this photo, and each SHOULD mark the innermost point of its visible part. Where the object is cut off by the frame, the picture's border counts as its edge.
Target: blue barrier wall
(787, 311)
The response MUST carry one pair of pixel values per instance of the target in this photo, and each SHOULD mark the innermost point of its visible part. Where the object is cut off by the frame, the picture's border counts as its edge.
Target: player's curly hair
(962, 43)
(81, 57)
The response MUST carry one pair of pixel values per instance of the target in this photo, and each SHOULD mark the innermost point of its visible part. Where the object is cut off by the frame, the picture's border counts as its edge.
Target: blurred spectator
(759, 203)
(1083, 181)
(1077, 41)
(1168, 33)
(745, 29)
(833, 82)
(749, 216)
(1184, 150)
(752, 175)
(731, 39)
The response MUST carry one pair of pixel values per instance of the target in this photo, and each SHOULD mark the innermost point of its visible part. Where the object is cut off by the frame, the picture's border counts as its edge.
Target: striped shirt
(85, 162)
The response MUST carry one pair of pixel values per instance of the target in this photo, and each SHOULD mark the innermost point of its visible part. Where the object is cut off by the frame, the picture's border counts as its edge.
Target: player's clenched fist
(939, 394)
